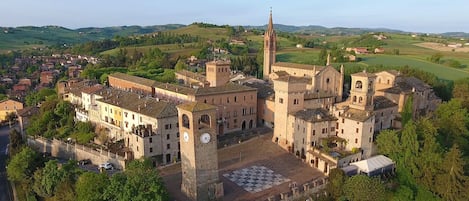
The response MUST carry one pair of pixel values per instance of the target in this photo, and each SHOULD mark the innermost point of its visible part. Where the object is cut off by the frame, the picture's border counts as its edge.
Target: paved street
(5, 190)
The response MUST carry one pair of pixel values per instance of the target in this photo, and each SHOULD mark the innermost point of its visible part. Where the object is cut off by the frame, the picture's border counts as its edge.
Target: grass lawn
(296, 55)
(441, 71)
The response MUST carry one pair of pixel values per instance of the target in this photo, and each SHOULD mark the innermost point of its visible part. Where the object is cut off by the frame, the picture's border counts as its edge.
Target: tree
(139, 182)
(407, 111)
(180, 65)
(363, 188)
(90, 186)
(322, 56)
(47, 179)
(16, 142)
(452, 120)
(461, 91)
(410, 148)
(335, 186)
(436, 58)
(22, 165)
(429, 158)
(452, 181)
(388, 143)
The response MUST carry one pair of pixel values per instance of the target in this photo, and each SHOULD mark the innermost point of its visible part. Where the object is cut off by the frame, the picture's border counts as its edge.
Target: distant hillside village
(313, 114)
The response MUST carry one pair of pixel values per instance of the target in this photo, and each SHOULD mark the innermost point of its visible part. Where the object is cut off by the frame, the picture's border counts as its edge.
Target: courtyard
(251, 170)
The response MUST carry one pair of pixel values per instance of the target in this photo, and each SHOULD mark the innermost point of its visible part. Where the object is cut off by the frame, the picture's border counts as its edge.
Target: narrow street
(5, 189)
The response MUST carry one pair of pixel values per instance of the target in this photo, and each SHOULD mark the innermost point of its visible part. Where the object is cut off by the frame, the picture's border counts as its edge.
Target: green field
(441, 71)
(296, 55)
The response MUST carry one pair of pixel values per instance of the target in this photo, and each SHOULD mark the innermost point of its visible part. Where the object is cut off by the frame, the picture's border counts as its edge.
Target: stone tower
(218, 73)
(270, 47)
(289, 97)
(362, 90)
(199, 158)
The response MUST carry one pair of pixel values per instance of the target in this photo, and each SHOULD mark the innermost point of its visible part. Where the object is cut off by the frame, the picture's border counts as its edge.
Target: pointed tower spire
(270, 26)
(270, 48)
(328, 62)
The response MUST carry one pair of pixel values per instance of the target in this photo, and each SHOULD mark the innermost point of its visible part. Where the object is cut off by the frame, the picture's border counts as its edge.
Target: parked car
(84, 162)
(106, 166)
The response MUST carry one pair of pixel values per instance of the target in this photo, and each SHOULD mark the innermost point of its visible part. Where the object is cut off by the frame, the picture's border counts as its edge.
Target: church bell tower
(270, 47)
(199, 157)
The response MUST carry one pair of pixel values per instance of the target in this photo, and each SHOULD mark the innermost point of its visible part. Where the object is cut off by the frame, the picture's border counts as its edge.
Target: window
(177, 134)
(327, 81)
(227, 99)
(358, 84)
(151, 149)
(133, 116)
(342, 131)
(167, 126)
(356, 140)
(369, 139)
(151, 140)
(343, 120)
(185, 121)
(168, 146)
(110, 110)
(323, 131)
(280, 100)
(125, 114)
(235, 99)
(137, 148)
(167, 136)
(371, 128)
(136, 138)
(356, 130)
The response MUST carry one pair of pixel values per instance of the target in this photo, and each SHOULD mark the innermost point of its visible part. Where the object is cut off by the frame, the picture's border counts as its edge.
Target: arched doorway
(243, 125)
(250, 123)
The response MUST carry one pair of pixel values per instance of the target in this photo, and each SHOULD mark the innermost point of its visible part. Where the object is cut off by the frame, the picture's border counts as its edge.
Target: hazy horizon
(431, 16)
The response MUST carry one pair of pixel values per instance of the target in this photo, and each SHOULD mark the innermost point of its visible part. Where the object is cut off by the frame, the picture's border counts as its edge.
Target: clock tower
(199, 157)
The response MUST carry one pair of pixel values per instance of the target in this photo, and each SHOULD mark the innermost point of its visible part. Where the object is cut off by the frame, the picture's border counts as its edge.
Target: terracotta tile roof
(92, 89)
(134, 79)
(407, 85)
(381, 102)
(192, 75)
(263, 90)
(174, 88)
(144, 105)
(28, 111)
(293, 79)
(196, 106)
(358, 115)
(314, 115)
(227, 88)
(299, 66)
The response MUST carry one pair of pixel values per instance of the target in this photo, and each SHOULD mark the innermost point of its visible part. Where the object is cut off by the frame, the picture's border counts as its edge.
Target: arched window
(185, 121)
(327, 81)
(204, 121)
(358, 84)
(354, 99)
(379, 80)
(360, 99)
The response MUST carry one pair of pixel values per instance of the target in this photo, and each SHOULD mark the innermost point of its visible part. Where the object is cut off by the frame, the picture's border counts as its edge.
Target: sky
(426, 16)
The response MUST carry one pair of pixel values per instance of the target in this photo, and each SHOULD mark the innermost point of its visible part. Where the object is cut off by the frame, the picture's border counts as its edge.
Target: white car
(106, 166)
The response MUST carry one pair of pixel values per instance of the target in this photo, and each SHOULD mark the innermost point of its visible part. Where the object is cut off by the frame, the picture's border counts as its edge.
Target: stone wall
(307, 191)
(77, 152)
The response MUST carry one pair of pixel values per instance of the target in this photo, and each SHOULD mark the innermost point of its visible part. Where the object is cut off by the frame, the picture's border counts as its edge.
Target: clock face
(186, 136)
(205, 138)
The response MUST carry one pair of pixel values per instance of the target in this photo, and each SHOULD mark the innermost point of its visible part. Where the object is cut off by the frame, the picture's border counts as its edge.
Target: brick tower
(270, 47)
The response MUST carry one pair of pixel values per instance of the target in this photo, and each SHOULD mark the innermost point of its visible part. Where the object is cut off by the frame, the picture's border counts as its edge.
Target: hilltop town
(224, 128)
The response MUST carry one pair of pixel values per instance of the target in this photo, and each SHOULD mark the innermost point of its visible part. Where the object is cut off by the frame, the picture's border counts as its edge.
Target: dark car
(84, 162)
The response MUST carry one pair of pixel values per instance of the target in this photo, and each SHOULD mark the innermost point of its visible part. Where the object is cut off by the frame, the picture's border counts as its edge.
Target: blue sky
(434, 16)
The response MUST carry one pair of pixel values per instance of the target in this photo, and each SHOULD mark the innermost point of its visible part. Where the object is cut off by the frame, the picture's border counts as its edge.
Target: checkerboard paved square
(255, 178)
